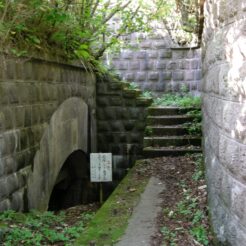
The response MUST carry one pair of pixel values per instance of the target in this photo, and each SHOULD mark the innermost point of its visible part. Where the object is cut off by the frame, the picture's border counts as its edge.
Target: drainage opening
(73, 186)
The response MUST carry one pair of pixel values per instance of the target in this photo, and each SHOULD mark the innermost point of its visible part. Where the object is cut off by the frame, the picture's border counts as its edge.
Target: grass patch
(40, 228)
(110, 222)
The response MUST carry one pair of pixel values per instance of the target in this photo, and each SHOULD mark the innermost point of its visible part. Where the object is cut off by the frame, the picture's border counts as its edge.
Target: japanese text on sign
(101, 167)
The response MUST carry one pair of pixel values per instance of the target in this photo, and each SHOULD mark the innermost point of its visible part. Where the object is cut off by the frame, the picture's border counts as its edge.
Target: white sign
(101, 167)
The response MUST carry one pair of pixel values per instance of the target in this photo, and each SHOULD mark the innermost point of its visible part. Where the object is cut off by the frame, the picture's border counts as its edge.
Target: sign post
(101, 169)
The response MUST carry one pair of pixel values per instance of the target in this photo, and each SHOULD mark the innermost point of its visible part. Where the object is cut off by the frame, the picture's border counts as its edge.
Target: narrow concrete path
(142, 223)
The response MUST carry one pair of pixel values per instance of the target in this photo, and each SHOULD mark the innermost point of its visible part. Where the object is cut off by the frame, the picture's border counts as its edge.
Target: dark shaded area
(73, 186)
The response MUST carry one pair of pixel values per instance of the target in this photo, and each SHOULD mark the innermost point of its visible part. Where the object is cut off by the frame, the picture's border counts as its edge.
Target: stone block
(161, 64)
(189, 54)
(17, 200)
(160, 87)
(103, 126)
(127, 54)
(130, 76)
(177, 54)
(238, 198)
(134, 65)
(133, 113)
(160, 44)
(197, 74)
(233, 156)
(141, 76)
(234, 120)
(189, 75)
(22, 159)
(9, 142)
(19, 70)
(153, 76)
(166, 76)
(165, 54)
(103, 101)
(147, 65)
(194, 64)
(140, 126)
(141, 54)
(116, 126)
(129, 125)
(10, 69)
(178, 75)
(146, 44)
(116, 149)
(13, 93)
(9, 165)
(172, 65)
(122, 65)
(192, 85)
(153, 54)
(28, 71)
(187, 64)
(120, 138)
(110, 113)
(136, 138)
(5, 205)
(101, 114)
(122, 113)
(168, 86)
(7, 117)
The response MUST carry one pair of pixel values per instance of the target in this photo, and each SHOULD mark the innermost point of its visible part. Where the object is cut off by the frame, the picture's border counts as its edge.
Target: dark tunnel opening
(73, 186)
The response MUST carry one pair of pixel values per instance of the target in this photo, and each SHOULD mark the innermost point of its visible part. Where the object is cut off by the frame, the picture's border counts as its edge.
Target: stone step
(169, 120)
(172, 141)
(174, 130)
(169, 110)
(151, 152)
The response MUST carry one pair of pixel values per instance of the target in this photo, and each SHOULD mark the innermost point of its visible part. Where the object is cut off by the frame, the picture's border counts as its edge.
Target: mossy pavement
(111, 220)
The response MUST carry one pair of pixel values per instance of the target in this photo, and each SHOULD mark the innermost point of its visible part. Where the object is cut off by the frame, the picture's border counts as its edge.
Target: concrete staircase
(167, 134)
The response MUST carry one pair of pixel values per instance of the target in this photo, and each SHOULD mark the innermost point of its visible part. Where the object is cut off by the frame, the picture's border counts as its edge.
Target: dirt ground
(175, 223)
(181, 176)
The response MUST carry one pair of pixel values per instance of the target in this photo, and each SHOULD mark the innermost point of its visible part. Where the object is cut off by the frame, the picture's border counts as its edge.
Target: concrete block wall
(157, 67)
(31, 90)
(121, 114)
(224, 114)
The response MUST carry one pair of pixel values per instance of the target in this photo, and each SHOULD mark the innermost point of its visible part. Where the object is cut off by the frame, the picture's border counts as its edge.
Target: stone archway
(66, 133)
(72, 186)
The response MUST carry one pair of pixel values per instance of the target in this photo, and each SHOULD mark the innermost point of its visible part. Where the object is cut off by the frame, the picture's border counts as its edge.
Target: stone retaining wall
(224, 114)
(31, 92)
(157, 67)
(121, 114)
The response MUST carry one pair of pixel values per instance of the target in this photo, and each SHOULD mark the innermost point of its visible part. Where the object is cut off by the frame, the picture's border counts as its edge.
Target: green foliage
(183, 100)
(169, 235)
(200, 234)
(199, 170)
(195, 127)
(133, 86)
(148, 131)
(182, 20)
(76, 29)
(147, 94)
(188, 212)
(37, 228)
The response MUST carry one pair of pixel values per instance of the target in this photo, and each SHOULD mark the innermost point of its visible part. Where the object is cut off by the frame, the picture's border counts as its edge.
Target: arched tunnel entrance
(73, 186)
